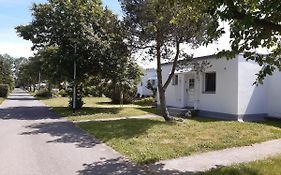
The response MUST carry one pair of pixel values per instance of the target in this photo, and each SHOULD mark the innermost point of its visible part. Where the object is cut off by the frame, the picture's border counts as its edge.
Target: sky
(17, 12)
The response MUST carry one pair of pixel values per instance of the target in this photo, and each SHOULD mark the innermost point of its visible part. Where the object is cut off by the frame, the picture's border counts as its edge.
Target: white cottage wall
(274, 95)
(224, 100)
(252, 99)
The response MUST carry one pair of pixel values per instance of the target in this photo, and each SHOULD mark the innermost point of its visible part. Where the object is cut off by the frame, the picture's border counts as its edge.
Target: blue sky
(16, 12)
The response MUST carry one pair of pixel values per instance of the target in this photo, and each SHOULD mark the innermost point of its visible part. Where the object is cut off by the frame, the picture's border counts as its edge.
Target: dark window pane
(191, 83)
(210, 82)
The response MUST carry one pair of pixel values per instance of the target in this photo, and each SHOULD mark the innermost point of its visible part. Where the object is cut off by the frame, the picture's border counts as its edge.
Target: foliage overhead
(254, 24)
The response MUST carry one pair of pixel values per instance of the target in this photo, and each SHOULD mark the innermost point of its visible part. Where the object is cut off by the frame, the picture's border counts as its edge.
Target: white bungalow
(225, 90)
(149, 76)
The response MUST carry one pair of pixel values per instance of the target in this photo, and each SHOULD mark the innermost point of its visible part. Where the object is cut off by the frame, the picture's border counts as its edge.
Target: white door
(190, 90)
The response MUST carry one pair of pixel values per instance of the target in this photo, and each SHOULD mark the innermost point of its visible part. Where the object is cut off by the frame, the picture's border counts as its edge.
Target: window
(210, 82)
(191, 83)
(153, 83)
(175, 80)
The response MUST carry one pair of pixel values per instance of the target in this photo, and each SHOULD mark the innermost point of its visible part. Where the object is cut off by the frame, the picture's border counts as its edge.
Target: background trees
(81, 32)
(6, 70)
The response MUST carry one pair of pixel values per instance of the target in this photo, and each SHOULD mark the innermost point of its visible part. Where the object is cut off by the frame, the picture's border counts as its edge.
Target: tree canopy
(84, 32)
(76, 30)
(6, 70)
(162, 27)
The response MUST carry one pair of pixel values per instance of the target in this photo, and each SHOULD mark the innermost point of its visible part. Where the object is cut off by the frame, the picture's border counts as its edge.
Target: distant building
(149, 76)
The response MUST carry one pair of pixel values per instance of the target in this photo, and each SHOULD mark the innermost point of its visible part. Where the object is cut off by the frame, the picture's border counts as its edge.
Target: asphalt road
(35, 141)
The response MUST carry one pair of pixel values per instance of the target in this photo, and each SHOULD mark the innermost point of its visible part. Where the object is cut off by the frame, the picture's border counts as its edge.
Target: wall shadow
(62, 132)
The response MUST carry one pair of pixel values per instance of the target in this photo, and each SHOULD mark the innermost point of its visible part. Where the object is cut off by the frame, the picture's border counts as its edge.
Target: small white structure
(149, 75)
(225, 90)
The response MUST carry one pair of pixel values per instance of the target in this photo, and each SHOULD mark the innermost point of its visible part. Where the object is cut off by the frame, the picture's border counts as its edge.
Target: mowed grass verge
(150, 140)
(97, 108)
(1, 100)
(269, 166)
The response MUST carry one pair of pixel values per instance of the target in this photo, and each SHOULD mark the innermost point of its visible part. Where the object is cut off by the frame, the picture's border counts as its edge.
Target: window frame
(193, 83)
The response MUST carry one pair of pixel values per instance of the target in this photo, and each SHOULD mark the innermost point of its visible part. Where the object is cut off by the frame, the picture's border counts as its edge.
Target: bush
(114, 92)
(149, 101)
(79, 96)
(43, 93)
(63, 93)
(79, 103)
(4, 90)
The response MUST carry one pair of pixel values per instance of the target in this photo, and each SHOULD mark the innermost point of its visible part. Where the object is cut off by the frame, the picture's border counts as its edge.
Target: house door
(190, 90)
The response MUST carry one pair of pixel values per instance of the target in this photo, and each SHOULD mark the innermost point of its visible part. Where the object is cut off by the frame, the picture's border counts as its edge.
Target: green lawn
(1, 100)
(97, 108)
(151, 140)
(263, 167)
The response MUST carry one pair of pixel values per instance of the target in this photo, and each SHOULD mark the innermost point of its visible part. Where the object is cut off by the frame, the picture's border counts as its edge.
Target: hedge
(4, 90)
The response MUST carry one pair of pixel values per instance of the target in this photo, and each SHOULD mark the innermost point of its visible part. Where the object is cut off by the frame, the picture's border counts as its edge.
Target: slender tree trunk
(161, 90)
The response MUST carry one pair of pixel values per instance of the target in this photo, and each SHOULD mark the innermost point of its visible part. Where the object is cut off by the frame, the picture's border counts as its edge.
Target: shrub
(43, 93)
(4, 90)
(114, 92)
(79, 103)
(79, 96)
(149, 101)
(63, 93)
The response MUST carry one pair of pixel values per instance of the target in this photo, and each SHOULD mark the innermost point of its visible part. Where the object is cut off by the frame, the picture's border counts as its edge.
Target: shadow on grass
(62, 132)
(105, 103)
(126, 128)
(272, 122)
(231, 171)
(151, 110)
(66, 112)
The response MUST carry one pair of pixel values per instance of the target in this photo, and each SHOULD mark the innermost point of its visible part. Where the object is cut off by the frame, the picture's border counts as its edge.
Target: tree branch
(174, 64)
(236, 14)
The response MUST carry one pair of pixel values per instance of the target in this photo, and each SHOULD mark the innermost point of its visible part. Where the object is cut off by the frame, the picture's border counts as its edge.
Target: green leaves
(64, 31)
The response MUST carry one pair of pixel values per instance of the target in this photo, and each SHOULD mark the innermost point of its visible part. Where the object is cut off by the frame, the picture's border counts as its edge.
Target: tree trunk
(161, 90)
(163, 106)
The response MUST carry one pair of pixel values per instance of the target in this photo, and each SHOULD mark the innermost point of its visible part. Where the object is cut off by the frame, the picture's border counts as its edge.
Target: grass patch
(1, 100)
(150, 140)
(97, 108)
(269, 166)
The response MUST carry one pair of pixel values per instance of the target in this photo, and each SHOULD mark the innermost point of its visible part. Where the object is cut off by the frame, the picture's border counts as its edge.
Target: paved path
(34, 141)
(215, 159)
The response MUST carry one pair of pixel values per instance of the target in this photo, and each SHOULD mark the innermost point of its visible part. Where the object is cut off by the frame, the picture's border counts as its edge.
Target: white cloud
(20, 49)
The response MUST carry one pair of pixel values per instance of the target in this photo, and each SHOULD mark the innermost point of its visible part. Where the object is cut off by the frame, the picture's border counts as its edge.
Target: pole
(39, 80)
(74, 83)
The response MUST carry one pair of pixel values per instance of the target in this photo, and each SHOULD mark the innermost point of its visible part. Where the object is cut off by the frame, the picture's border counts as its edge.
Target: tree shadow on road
(27, 113)
(62, 132)
(116, 166)
(120, 167)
